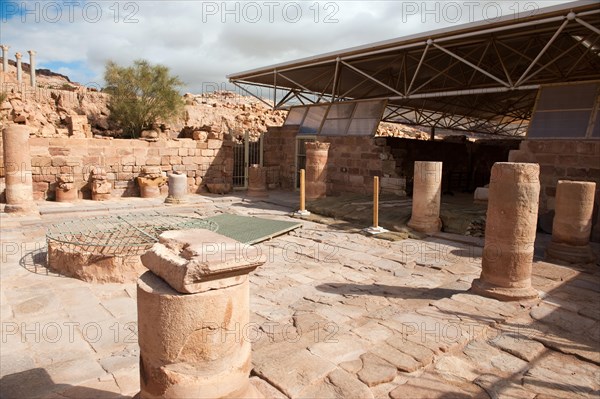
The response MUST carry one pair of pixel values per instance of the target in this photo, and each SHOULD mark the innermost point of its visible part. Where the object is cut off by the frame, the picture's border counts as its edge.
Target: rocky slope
(50, 108)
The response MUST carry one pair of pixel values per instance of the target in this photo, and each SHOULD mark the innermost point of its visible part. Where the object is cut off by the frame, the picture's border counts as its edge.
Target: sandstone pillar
(19, 68)
(150, 181)
(257, 182)
(32, 67)
(510, 232)
(17, 167)
(572, 223)
(177, 188)
(101, 187)
(427, 192)
(65, 188)
(4, 48)
(193, 320)
(316, 169)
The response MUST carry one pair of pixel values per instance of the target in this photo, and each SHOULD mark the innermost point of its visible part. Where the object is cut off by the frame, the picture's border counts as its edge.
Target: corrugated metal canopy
(480, 77)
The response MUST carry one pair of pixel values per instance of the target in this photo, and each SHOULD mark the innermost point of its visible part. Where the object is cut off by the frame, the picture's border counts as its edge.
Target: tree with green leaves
(141, 95)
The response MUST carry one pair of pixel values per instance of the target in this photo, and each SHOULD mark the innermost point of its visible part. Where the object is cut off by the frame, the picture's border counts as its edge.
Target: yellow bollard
(302, 191)
(375, 229)
(376, 201)
(302, 211)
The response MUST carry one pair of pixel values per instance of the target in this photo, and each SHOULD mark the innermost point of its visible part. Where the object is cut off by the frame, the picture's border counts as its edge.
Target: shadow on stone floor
(388, 291)
(36, 262)
(37, 383)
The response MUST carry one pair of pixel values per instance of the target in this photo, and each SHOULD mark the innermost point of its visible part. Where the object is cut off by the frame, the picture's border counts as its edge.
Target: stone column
(101, 187)
(177, 188)
(257, 182)
(316, 169)
(32, 67)
(150, 181)
(427, 192)
(17, 167)
(572, 223)
(193, 317)
(19, 68)
(510, 232)
(4, 48)
(66, 191)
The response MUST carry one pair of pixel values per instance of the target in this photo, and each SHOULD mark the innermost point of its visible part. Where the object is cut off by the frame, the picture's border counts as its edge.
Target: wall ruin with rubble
(209, 161)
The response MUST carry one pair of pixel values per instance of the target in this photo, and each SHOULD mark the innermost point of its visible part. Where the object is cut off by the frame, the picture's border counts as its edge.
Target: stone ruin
(150, 181)
(196, 290)
(101, 187)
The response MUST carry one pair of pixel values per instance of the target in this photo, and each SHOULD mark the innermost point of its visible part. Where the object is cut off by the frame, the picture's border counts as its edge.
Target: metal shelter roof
(481, 77)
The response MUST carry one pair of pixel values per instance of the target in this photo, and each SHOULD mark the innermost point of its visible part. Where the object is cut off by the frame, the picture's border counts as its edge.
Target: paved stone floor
(334, 314)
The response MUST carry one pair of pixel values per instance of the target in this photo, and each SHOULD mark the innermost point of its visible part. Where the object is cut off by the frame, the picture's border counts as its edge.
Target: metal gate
(245, 153)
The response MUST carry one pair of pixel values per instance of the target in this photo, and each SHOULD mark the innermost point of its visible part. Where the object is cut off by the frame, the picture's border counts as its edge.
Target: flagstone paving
(334, 314)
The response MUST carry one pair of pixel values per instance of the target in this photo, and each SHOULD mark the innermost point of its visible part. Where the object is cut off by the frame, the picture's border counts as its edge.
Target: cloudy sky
(203, 41)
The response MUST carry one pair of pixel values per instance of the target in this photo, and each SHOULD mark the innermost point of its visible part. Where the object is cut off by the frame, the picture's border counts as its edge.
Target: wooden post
(302, 192)
(376, 201)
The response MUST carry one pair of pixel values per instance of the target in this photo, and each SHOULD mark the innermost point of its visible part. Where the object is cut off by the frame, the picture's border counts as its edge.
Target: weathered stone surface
(428, 386)
(502, 388)
(375, 370)
(342, 348)
(511, 224)
(266, 389)
(316, 169)
(401, 361)
(257, 182)
(426, 197)
(198, 260)
(572, 223)
(17, 170)
(518, 345)
(347, 385)
(453, 368)
(562, 376)
(70, 260)
(191, 343)
(291, 371)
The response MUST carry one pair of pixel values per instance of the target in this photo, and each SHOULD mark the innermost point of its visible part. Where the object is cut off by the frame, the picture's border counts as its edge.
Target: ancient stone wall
(208, 161)
(353, 161)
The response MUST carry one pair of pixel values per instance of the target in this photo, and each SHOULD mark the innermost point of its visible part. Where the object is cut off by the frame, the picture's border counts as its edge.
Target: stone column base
(71, 195)
(425, 226)
(149, 191)
(173, 200)
(193, 345)
(480, 287)
(570, 253)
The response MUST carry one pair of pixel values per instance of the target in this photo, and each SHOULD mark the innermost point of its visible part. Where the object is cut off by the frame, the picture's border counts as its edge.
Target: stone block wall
(352, 162)
(203, 161)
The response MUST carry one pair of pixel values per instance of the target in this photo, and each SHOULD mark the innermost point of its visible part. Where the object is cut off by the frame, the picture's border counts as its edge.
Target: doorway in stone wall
(247, 151)
(301, 156)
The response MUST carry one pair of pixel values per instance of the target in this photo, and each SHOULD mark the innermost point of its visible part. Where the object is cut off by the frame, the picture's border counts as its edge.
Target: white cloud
(203, 42)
